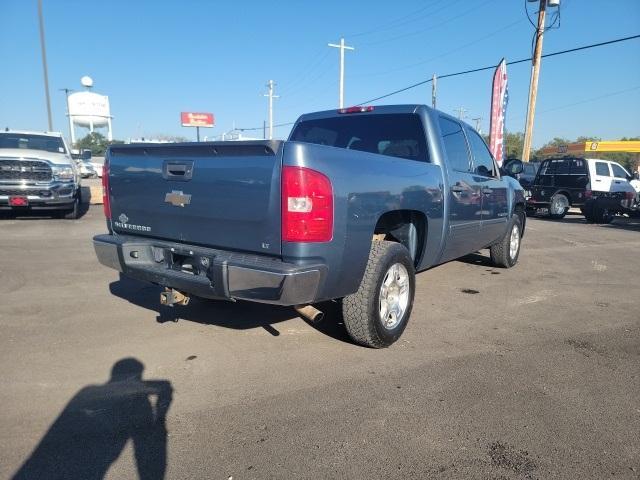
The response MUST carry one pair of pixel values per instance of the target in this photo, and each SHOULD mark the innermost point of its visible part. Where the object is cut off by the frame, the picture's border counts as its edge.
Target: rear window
(395, 135)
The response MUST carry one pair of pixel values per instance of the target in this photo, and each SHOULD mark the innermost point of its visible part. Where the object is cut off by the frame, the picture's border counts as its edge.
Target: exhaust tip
(310, 312)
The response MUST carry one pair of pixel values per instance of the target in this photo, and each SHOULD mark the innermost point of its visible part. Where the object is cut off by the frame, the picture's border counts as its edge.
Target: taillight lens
(588, 193)
(106, 203)
(307, 206)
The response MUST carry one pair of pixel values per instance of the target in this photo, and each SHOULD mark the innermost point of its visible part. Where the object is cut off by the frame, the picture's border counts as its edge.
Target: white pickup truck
(38, 173)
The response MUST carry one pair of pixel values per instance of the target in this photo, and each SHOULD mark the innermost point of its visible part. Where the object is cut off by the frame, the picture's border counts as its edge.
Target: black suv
(559, 184)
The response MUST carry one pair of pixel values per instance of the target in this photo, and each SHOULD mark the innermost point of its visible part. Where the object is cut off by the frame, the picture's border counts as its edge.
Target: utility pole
(72, 134)
(434, 80)
(533, 85)
(342, 48)
(44, 65)
(271, 96)
(461, 112)
(478, 121)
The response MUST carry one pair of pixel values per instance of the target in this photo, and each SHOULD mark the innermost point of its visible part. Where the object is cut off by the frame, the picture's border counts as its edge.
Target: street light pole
(533, 85)
(72, 135)
(342, 48)
(44, 65)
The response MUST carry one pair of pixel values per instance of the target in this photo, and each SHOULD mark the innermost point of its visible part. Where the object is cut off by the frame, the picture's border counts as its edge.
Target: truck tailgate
(217, 194)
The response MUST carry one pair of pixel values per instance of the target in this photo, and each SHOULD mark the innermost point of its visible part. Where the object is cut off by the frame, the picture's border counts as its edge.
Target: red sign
(499, 99)
(192, 119)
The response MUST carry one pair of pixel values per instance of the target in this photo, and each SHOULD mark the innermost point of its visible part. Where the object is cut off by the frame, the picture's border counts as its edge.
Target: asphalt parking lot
(532, 372)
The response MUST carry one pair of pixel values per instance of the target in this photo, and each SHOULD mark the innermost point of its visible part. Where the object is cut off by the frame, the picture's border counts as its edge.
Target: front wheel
(74, 213)
(377, 314)
(505, 253)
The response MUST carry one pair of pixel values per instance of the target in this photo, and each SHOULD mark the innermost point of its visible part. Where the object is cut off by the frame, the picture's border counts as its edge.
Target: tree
(513, 144)
(96, 142)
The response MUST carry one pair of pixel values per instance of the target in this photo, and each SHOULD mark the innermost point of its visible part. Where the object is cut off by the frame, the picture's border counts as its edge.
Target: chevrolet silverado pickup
(350, 207)
(38, 173)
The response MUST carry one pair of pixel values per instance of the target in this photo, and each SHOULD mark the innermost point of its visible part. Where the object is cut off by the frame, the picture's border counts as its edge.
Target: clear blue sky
(157, 58)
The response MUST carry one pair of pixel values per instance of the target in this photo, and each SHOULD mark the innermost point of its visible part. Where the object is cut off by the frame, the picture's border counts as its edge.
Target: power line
(431, 27)
(442, 55)
(474, 70)
(391, 24)
(489, 67)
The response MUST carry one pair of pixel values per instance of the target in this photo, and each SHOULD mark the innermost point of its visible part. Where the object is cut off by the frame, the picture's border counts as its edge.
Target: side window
(482, 159)
(578, 166)
(562, 167)
(602, 169)
(618, 171)
(455, 145)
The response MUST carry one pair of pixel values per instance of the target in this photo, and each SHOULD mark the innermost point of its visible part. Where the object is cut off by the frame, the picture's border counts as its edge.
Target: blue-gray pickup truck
(350, 207)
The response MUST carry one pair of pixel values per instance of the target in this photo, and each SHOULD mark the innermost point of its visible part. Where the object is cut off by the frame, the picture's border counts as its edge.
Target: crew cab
(350, 207)
(38, 173)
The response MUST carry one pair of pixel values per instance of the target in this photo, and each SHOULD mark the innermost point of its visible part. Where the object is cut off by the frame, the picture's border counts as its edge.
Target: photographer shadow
(93, 429)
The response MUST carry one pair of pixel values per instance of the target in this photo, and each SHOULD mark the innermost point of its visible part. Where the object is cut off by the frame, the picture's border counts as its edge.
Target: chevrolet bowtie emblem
(177, 198)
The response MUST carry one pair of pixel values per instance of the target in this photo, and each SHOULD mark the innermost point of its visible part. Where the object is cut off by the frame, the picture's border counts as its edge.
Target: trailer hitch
(171, 297)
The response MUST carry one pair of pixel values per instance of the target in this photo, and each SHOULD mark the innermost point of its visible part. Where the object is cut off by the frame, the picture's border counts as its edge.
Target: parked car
(567, 182)
(350, 207)
(38, 173)
(86, 169)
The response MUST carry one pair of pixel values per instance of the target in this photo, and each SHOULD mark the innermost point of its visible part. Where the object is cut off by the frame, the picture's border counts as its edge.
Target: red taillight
(356, 109)
(307, 206)
(630, 195)
(106, 203)
(588, 193)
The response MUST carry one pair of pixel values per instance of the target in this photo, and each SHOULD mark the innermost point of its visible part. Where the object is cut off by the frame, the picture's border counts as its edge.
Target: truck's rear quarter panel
(365, 187)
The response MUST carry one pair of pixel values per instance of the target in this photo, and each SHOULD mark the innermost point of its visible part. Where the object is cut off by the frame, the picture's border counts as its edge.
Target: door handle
(177, 170)
(598, 180)
(457, 189)
(487, 191)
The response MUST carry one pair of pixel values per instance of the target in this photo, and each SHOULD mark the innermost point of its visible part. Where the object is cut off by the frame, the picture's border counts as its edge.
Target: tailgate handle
(177, 170)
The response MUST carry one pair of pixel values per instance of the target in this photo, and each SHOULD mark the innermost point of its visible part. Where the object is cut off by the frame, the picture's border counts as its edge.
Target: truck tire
(559, 206)
(587, 211)
(602, 213)
(376, 315)
(505, 252)
(74, 213)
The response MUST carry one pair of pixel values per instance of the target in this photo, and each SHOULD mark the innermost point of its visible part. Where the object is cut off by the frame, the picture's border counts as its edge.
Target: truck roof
(378, 109)
(32, 132)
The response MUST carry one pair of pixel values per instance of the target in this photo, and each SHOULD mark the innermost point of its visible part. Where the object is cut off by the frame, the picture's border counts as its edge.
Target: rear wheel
(377, 314)
(602, 213)
(559, 206)
(505, 253)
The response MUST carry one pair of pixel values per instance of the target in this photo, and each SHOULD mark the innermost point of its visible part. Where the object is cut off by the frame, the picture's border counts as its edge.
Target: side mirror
(513, 167)
(636, 176)
(86, 154)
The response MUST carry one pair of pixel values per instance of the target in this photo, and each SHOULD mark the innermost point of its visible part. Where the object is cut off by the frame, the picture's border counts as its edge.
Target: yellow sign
(628, 146)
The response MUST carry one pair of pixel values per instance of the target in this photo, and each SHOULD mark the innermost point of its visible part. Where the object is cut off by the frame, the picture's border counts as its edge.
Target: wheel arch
(407, 227)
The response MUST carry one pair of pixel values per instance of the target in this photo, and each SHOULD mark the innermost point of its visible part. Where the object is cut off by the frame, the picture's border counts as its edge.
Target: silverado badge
(177, 198)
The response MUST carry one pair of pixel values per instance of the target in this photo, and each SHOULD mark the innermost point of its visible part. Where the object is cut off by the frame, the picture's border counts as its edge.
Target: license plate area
(18, 201)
